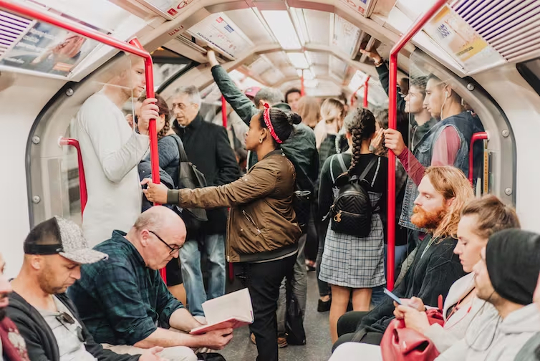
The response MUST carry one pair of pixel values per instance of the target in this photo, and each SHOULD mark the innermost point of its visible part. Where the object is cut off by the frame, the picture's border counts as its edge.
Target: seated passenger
(443, 193)
(531, 350)
(124, 302)
(506, 278)
(48, 321)
(12, 344)
(480, 219)
(262, 232)
(111, 151)
(351, 264)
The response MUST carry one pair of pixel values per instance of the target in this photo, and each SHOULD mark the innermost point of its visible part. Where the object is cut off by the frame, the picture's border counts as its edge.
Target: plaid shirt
(120, 300)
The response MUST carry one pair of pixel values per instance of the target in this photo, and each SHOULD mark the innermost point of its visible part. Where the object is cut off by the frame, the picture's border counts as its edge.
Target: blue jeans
(401, 253)
(190, 261)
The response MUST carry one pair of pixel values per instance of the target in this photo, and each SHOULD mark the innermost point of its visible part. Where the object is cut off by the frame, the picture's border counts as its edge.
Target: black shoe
(323, 306)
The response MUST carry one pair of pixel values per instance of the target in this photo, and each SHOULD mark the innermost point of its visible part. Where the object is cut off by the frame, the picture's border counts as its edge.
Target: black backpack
(351, 212)
(189, 177)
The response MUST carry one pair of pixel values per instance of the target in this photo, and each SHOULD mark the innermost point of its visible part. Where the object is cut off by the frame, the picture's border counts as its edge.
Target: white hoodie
(495, 339)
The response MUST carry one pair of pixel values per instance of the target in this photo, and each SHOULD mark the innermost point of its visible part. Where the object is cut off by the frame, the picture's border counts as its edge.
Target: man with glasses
(125, 303)
(46, 318)
(207, 147)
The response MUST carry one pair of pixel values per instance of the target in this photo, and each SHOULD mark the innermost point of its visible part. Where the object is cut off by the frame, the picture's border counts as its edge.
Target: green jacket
(300, 148)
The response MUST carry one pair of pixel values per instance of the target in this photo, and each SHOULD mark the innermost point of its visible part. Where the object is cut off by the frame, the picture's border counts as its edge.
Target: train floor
(318, 344)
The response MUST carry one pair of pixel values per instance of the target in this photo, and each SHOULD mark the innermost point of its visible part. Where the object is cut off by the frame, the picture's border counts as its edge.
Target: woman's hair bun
(295, 118)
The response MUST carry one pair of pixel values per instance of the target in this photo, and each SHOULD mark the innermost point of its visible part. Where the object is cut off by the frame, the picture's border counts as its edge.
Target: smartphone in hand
(393, 296)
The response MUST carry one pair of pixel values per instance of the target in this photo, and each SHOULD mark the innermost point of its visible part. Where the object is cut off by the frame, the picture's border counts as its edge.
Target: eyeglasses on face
(173, 249)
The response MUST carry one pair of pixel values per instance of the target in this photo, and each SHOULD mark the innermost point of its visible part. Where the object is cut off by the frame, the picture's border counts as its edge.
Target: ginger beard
(428, 220)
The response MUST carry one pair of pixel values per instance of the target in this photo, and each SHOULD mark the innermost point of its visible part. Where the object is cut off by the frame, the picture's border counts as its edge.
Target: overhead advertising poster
(360, 6)
(169, 8)
(345, 36)
(48, 49)
(460, 40)
(222, 33)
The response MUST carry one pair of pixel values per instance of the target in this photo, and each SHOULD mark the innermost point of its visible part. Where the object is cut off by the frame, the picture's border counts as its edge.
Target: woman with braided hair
(262, 230)
(352, 264)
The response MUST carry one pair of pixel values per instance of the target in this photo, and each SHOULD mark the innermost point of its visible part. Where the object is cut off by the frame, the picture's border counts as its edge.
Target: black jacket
(427, 278)
(40, 340)
(207, 147)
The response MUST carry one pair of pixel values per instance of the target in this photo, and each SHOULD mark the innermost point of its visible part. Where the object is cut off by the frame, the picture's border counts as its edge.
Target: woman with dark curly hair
(351, 263)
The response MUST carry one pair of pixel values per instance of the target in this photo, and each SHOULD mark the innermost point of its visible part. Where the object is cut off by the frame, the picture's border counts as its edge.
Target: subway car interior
(487, 51)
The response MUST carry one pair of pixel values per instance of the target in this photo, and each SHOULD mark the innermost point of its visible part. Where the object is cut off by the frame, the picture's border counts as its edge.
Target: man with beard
(12, 345)
(443, 192)
(54, 251)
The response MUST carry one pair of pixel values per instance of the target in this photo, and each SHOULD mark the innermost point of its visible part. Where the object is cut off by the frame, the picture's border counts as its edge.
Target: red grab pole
(474, 138)
(392, 123)
(224, 111)
(366, 88)
(302, 86)
(82, 178)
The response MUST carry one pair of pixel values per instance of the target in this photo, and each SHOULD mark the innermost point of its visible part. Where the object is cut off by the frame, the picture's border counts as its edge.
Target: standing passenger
(350, 263)
(207, 147)
(292, 96)
(262, 231)
(310, 111)
(111, 150)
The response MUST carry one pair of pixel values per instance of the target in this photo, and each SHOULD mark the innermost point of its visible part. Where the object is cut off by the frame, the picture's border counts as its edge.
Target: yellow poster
(460, 40)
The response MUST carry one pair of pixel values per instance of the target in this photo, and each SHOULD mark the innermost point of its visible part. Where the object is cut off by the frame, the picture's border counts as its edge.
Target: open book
(230, 311)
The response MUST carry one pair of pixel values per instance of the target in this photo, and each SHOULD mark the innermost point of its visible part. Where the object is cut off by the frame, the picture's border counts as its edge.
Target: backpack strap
(341, 164)
(181, 151)
(368, 168)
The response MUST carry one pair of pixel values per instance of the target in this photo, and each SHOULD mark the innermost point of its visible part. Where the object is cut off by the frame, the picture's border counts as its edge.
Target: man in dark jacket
(443, 193)
(47, 320)
(207, 147)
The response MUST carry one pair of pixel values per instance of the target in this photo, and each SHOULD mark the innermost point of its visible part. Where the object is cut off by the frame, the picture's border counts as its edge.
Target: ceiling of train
(274, 42)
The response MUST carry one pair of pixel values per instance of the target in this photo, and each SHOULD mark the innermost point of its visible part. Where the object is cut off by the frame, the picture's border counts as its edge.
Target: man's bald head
(158, 234)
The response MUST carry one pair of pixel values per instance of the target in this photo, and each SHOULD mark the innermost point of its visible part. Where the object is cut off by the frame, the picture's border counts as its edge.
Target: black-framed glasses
(173, 249)
(65, 318)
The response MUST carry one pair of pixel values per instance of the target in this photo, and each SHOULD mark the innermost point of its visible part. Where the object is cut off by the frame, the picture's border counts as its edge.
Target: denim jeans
(298, 284)
(401, 253)
(190, 260)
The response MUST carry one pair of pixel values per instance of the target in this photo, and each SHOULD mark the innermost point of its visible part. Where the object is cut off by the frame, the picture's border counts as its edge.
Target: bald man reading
(125, 303)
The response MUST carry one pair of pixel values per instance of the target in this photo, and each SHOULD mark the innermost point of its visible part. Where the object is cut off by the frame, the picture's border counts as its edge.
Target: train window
(530, 71)
(73, 113)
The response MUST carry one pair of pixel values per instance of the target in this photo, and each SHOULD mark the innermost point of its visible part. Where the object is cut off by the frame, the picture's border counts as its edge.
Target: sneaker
(282, 342)
(324, 306)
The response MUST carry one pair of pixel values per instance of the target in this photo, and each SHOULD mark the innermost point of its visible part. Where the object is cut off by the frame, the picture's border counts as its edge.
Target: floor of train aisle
(318, 344)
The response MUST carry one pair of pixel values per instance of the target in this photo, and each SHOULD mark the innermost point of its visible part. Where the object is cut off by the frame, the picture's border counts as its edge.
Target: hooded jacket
(495, 339)
(40, 340)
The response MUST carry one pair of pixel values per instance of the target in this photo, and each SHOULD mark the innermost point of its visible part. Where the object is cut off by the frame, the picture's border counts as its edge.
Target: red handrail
(474, 138)
(302, 85)
(224, 111)
(82, 178)
(392, 122)
(134, 47)
(366, 89)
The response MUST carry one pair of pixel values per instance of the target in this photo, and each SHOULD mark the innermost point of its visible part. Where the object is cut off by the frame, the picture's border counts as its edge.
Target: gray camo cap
(61, 236)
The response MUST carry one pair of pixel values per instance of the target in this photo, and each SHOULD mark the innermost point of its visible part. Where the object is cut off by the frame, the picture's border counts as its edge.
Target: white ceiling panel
(278, 58)
(318, 25)
(250, 25)
(318, 58)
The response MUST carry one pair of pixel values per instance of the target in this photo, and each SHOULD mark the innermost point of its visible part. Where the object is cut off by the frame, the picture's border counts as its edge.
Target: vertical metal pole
(366, 89)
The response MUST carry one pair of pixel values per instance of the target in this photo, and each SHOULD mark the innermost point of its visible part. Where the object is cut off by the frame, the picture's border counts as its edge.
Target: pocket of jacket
(250, 219)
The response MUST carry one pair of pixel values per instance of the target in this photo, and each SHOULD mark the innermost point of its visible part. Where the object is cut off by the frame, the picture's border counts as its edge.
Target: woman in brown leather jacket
(262, 230)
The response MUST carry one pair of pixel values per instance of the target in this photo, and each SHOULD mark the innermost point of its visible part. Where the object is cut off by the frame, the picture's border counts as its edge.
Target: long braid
(166, 127)
(361, 125)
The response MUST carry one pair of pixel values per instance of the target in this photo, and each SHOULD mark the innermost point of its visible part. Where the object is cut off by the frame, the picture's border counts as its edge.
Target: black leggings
(347, 326)
(263, 281)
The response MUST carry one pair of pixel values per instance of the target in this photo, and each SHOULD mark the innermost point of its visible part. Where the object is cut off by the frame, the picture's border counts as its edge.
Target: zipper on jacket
(251, 220)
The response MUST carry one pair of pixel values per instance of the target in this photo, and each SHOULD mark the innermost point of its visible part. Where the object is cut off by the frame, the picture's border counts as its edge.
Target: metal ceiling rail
(392, 122)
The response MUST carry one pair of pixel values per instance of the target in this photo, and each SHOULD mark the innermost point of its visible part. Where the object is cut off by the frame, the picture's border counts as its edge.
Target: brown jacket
(262, 224)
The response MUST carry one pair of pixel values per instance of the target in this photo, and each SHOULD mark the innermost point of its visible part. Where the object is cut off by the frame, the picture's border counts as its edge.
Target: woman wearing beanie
(262, 230)
(505, 277)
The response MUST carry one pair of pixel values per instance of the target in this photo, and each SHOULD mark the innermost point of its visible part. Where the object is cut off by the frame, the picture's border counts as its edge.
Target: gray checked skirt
(354, 262)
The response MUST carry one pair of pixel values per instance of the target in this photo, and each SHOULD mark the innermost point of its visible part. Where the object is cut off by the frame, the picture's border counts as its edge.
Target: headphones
(446, 94)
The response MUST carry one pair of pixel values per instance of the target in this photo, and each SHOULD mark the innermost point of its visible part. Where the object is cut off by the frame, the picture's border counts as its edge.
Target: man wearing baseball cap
(505, 277)
(46, 318)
